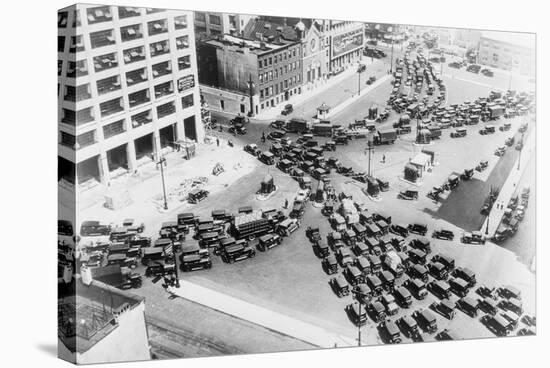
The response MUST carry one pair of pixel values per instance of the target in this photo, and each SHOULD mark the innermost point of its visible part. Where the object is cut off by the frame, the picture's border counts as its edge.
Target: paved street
(288, 281)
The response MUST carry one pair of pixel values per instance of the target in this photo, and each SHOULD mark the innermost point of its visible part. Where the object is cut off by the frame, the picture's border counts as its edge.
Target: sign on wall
(346, 42)
(186, 83)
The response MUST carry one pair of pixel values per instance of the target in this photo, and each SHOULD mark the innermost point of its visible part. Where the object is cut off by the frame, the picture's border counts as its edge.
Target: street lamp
(521, 149)
(162, 163)
(251, 94)
(356, 293)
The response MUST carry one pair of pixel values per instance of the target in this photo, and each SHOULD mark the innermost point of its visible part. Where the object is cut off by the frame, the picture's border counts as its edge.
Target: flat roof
(257, 47)
(514, 38)
(86, 318)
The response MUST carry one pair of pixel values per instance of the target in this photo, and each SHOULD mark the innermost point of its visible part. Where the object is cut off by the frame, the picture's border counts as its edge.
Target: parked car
(426, 320)
(389, 332)
(445, 307)
(468, 306)
(340, 286)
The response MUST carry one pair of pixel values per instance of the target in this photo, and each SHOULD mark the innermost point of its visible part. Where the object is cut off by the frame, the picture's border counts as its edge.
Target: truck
(322, 129)
(251, 225)
(392, 263)
(297, 125)
(494, 112)
(385, 136)
(435, 132)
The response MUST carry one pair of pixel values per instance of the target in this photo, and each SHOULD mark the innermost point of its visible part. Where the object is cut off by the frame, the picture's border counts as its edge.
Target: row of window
(268, 76)
(263, 63)
(212, 18)
(279, 87)
(101, 14)
(276, 100)
(106, 37)
(112, 129)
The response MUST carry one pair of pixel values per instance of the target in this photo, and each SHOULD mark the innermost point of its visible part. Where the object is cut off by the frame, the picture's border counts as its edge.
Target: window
(136, 76)
(267, 92)
(187, 101)
(164, 89)
(76, 44)
(182, 42)
(214, 19)
(277, 91)
(130, 33)
(83, 92)
(78, 118)
(262, 93)
(99, 14)
(159, 48)
(153, 10)
(294, 52)
(270, 61)
(60, 43)
(180, 22)
(111, 107)
(261, 78)
(134, 54)
(142, 118)
(157, 27)
(139, 97)
(200, 17)
(59, 67)
(102, 38)
(85, 139)
(127, 12)
(495, 57)
(161, 69)
(112, 129)
(107, 85)
(166, 109)
(68, 140)
(62, 19)
(184, 62)
(271, 90)
(105, 62)
(276, 72)
(76, 19)
(270, 75)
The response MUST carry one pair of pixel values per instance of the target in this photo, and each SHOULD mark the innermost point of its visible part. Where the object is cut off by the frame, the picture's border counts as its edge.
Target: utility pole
(355, 294)
(162, 163)
(359, 71)
(519, 158)
(369, 148)
(391, 61)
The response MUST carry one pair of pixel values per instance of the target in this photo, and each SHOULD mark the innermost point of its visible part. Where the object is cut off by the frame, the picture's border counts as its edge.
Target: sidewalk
(509, 186)
(261, 316)
(306, 95)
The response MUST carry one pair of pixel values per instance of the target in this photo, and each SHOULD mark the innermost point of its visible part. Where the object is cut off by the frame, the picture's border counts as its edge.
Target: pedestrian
(383, 159)
(286, 203)
(217, 141)
(263, 137)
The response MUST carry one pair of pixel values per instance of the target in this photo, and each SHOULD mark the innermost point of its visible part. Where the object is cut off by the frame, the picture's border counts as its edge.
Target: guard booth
(373, 189)
(411, 173)
(421, 162)
(267, 185)
(373, 113)
(323, 111)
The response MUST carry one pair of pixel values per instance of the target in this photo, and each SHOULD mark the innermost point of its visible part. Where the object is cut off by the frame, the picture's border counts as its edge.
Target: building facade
(127, 88)
(345, 42)
(208, 24)
(269, 72)
(508, 51)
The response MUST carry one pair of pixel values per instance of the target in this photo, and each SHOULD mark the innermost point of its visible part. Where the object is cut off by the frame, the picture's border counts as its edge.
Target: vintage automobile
(447, 335)
(486, 292)
(466, 274)
(287, 227)
(488, 305)
(194, 262)
(377, 311)
(389, 332)
(418, 271)
(357, 314)
(158, 268)
(321, 248)
(459, 287)
(237, 252)
(388, 280)
(438, 270)
(268, 241)
(197, 195)
(353, 275)
(418, 228)
(334, 240)
(497, 324)
(417, 256)
(483, 164)
(374, 283)
(421, 243)
(288, 109)
(399, 229)
(426, 320)
(267, 158)
(340, 286)
(445, 307)
(508, 292)
(276, 135)
(284, 165)
(237, 128)
(417, 288)
(409, 327)
(343, 255)
(468, 306)
(313, 234)
(440, 289)
(408, 195)
(511, 304)
(443, 234)
(447, 261)
(389, 302)
(475, 237)
(330, 264)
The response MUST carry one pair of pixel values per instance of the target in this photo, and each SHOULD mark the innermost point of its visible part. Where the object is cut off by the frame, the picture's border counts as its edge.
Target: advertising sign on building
(186, 83)
(346, 42)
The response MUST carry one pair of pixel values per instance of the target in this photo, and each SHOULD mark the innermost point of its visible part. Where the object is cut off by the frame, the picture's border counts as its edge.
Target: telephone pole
(370, 148)
(251, 94)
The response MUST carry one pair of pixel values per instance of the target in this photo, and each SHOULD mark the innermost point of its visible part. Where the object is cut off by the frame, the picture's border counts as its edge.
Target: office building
(127, 89)
(208, 24)
(508, 51)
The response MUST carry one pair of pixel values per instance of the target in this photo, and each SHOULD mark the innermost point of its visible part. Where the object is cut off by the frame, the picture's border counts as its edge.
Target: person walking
(286, 203)
(383, 159)
(217, 141)
(263, 137)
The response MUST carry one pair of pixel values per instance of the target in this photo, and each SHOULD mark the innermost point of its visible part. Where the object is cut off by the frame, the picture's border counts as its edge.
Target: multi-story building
(344, 41)
(240, 75)
(208, 24)
(126, 88)
(98, 323)
(508, 51)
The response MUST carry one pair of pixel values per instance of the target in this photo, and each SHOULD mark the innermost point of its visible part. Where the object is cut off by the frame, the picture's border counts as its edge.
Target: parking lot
(289, 278)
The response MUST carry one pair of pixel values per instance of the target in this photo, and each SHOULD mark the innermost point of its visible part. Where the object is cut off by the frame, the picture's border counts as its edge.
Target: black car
(418, 228)
(443, 234)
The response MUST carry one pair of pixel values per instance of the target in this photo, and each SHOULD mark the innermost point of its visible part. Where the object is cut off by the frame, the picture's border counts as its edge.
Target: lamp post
(521, 149)
(251, 94)
(355, 294)
(162, 163)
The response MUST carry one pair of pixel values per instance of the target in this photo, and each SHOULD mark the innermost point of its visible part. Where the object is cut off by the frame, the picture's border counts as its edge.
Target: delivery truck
(385, 136)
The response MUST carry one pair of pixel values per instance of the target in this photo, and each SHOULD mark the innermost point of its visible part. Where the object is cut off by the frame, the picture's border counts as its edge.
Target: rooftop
(268, 29)
(89, 316)
(514, 38)
(254, 46)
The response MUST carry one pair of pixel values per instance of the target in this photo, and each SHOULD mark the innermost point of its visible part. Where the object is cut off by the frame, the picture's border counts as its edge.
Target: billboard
(186, 83)
(346, 42)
